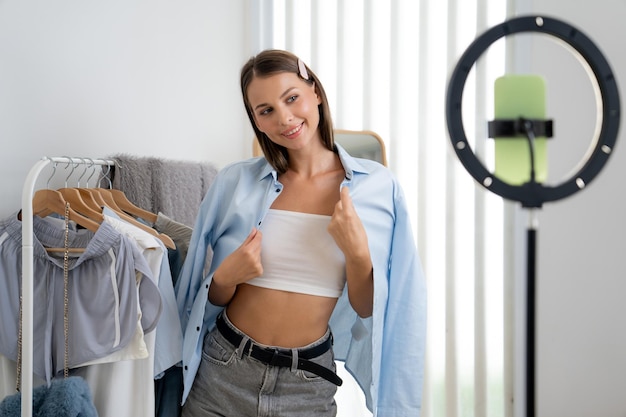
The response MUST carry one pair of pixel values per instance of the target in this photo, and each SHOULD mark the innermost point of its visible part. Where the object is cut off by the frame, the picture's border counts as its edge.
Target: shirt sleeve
(193, 270)
(404, 330)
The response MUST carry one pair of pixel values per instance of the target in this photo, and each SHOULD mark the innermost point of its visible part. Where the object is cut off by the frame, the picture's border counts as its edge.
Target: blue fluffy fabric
(65, 397)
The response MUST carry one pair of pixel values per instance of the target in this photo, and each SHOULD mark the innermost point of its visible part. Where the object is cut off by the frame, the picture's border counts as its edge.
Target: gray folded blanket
(175, 188)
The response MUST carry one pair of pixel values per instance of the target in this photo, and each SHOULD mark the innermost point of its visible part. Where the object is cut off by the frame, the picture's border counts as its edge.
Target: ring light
(533, 194)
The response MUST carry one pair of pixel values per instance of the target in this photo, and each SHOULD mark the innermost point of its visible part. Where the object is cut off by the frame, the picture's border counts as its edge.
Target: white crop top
(299, 255)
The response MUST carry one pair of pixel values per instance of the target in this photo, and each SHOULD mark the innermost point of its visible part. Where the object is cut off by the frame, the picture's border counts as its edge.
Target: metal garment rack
(28, 190)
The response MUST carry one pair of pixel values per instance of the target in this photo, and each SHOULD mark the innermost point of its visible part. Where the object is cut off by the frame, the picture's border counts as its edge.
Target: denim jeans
(229, 384)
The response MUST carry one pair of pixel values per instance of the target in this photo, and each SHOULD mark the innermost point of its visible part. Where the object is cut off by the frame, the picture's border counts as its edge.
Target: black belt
(282, 357)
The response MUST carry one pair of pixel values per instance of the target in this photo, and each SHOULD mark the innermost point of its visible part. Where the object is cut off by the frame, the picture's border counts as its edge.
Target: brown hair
(270, 62)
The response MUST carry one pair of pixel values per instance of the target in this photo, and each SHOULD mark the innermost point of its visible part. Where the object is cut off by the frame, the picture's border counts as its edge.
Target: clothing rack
(28, 190)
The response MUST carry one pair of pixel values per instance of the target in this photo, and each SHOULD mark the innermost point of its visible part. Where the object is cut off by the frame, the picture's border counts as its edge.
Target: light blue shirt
(385, 353)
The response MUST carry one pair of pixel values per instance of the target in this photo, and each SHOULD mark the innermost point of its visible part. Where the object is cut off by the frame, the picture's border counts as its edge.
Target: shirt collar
(266, 169)
(350, 165)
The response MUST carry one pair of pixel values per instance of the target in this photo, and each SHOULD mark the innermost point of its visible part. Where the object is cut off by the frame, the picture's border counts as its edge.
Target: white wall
(142, 77)
(581, 353)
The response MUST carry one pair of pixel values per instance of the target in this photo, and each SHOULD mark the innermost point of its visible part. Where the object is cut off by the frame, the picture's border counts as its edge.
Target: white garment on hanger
(169, 334)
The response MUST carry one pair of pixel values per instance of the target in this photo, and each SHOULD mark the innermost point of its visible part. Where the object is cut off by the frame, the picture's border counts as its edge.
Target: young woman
(313, 260)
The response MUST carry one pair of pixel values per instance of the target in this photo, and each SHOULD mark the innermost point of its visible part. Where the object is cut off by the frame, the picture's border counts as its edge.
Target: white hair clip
(302, 69)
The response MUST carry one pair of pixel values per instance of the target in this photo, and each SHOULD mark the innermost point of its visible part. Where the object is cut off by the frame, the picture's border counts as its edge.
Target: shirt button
(278, 190)
(186, 368)
(197, 328)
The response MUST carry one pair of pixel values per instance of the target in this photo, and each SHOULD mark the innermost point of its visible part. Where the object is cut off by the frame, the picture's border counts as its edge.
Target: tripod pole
(530, 311)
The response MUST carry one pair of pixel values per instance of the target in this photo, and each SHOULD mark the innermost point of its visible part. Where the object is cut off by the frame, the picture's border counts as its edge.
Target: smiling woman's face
(285, 108)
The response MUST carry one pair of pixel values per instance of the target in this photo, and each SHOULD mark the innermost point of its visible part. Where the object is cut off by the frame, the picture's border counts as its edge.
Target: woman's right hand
(240, 266)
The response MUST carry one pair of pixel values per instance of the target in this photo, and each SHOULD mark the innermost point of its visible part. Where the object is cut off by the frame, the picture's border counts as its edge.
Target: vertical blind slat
(452, 359)
(368, 52)
(509, 313)
(289, 26)
(509, 307)
(422, 179)
(480, 365)
(341, 63)
(394, 79)
(315, 45)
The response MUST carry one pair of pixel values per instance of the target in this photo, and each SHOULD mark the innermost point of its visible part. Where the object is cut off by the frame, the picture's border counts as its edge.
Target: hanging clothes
(103, 295)
(113, 299)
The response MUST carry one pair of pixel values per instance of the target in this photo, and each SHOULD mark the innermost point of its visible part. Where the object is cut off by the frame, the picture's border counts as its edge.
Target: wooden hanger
(126, 205)
(69, 250)
(91, 196)
(108, 195)
(108, 198)
(85, 206)
(46, 202)
(94, 199)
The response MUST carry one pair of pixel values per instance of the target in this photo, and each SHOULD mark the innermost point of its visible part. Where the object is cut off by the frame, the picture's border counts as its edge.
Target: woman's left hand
(346, 228)
(349, 233)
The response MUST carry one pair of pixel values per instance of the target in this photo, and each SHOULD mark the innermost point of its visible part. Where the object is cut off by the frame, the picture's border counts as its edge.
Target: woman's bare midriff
(280, 318)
